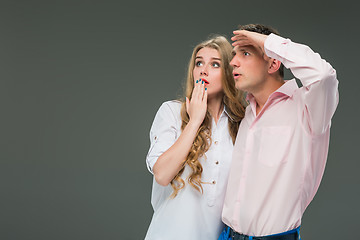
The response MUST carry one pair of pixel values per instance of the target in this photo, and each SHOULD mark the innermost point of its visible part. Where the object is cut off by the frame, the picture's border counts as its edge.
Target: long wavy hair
(233, 102)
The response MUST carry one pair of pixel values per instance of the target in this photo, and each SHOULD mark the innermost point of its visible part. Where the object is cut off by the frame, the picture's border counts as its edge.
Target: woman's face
(208, 67)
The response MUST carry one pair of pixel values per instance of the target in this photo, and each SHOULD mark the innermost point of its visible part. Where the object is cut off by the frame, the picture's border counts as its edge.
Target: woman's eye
(216, 65)
(198, 63)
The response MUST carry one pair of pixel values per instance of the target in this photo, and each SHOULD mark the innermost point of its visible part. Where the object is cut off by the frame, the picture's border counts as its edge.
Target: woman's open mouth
(205, 81)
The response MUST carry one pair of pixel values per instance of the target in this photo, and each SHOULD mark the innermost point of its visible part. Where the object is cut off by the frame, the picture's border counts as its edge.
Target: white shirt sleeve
(164, 131)
(320, 85)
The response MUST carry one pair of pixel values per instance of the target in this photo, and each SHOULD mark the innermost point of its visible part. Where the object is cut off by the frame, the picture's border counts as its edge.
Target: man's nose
(234, 62)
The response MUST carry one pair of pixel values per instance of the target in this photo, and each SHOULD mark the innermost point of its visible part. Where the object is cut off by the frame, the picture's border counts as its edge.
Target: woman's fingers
(198, 92)
(202, 90)
(205, 96)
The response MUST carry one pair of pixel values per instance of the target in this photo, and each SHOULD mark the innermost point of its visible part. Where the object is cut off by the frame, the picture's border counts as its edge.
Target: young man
(281, 147)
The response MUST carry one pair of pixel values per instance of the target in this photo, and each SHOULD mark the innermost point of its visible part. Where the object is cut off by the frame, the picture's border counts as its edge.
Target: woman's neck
(215, 107)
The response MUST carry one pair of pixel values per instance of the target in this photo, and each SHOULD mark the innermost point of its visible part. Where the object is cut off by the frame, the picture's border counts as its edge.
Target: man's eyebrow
(243, 48)
(248, 48)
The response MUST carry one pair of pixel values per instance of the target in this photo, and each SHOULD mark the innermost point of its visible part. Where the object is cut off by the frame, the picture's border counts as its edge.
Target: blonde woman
(191, 148)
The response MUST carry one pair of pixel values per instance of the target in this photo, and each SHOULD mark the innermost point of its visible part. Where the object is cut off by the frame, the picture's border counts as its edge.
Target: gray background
(80, 83)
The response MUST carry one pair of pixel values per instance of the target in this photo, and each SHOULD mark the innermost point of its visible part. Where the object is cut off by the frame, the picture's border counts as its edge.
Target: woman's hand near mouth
(196, 107)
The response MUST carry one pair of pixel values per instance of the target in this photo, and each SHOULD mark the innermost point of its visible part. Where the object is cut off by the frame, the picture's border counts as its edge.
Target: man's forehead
(243, 48)
(246, 48)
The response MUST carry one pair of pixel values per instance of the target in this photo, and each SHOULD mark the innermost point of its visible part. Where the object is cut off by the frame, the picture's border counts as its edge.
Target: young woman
(191, 148)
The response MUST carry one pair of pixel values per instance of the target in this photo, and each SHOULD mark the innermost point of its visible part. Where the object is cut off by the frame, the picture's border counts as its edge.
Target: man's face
(250, 69)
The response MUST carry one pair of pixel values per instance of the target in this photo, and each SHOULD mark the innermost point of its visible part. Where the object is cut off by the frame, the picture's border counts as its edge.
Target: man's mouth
(236, 75)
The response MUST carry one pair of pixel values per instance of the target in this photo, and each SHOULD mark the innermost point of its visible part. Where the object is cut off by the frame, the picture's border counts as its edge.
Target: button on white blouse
(190, 215)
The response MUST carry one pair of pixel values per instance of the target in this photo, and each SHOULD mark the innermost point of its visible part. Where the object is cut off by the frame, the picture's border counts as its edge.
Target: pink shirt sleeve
(320, 85)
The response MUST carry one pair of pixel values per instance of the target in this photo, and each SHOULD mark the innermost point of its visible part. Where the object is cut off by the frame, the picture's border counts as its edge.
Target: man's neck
(263, 95)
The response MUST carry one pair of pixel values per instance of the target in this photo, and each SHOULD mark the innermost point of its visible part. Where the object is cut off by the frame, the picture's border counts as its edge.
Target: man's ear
(274, 65)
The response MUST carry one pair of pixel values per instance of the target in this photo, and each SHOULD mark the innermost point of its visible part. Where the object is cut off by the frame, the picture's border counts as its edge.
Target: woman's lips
(205, 81)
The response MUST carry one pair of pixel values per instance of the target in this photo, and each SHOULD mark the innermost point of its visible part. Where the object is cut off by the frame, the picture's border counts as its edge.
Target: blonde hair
(233, 101)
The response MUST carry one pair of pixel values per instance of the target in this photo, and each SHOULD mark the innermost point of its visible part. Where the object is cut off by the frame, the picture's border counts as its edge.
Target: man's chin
(239, 86)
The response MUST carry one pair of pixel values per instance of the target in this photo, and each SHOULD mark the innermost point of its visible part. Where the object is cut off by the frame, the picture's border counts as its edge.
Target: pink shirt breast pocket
(274, 145)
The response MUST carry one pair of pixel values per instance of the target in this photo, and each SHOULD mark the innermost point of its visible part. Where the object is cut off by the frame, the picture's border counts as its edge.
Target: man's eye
(246, 54)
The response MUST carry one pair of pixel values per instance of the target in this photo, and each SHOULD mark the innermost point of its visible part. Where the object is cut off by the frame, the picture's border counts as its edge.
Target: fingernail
(202, 82)
(205, 89)
(197, 81)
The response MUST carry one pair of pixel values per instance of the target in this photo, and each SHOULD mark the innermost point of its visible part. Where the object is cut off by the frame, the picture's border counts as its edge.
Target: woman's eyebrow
(214, 58)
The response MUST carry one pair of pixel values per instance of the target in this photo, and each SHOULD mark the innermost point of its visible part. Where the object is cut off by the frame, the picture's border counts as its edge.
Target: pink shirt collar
(288, 89)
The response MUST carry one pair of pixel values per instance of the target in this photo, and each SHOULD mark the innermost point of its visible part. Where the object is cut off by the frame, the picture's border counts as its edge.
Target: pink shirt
(279, 155)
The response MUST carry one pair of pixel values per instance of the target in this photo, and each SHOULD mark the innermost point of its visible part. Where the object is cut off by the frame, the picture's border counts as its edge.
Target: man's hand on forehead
(243, 38)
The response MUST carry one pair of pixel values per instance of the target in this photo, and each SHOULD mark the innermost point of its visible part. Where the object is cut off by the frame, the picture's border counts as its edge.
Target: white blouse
(190, 215)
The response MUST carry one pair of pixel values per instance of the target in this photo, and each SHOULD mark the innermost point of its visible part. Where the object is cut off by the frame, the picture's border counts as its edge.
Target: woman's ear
(274, 65)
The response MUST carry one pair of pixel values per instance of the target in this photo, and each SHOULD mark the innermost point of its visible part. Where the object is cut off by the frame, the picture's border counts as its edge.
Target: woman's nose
(204, 71)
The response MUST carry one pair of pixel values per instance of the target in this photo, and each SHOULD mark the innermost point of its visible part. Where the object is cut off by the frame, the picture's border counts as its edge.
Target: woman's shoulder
(170, 110)
(172, 105)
